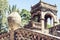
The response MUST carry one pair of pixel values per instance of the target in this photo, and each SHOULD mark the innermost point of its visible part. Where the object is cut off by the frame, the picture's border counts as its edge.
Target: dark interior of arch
(36, 18)
(46, 19)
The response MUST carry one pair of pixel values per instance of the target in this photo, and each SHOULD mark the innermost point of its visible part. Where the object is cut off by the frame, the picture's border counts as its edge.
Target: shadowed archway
(49, 20)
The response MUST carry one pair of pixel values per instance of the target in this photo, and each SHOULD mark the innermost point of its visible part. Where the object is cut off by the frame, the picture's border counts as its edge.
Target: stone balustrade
(26, 34)
(36, 24)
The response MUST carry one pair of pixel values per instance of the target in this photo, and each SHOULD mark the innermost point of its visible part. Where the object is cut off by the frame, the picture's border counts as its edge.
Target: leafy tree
(3, 10)
(25, 17)
(13, 9)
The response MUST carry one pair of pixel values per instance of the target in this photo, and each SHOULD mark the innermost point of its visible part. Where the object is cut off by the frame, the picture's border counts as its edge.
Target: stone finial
(14, 21)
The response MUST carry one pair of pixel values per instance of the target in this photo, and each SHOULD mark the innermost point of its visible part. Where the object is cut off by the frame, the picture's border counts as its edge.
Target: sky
(26, 4)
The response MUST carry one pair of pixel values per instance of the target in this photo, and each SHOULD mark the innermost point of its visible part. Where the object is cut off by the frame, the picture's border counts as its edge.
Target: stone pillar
(42, 24)
(52, 22)
(42, 21)
(55, 21)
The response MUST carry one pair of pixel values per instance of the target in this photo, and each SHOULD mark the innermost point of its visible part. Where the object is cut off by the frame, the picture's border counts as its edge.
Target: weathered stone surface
(14, 21)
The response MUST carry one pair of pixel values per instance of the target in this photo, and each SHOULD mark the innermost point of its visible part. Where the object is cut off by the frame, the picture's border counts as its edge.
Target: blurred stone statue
(14, 21)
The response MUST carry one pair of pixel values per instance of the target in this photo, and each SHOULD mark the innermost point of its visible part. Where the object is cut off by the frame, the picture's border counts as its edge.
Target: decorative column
(55, 21)
(42, 21)
(32, 19)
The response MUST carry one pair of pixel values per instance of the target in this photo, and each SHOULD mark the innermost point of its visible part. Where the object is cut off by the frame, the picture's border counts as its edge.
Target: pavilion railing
(36, 24)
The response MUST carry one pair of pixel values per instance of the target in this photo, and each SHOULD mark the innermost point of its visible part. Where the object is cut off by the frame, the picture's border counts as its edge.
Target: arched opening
(48, 22)
(36, 18)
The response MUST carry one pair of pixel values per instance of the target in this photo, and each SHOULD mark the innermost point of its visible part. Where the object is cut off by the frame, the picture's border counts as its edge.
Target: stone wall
(24, 34)
(55, 30)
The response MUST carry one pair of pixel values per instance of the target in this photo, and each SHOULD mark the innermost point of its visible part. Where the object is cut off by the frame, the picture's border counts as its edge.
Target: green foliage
(13, 9)
(3, 9)
(25, 15)
(3, 4)
(48, 26)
